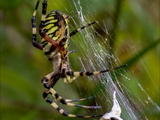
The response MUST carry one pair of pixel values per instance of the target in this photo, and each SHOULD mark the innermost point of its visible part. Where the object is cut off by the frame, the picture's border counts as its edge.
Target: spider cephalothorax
(55, 35)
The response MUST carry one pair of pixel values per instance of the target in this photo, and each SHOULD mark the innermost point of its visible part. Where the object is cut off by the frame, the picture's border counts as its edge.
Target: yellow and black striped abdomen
(56, 27)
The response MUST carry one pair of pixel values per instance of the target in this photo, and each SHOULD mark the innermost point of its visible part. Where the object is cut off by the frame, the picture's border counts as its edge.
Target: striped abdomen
(56, 27)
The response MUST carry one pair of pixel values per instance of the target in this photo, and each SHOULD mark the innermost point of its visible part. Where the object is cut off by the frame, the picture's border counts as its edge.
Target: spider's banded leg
(64, 101)
(80, 99)
(34, 31)
(49, 81)
(44, 8)
(79, 29)
(69, 79)
(61, 111)
(75, 32)
(82, 73)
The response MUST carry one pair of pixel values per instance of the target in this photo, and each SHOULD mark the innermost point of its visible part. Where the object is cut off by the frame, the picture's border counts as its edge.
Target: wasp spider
(55, 35)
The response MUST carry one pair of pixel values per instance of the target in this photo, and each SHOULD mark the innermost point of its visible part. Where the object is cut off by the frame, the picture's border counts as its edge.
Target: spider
(55, 35)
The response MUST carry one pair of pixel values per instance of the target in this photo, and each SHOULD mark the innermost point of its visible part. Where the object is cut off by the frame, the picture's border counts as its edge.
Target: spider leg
(44, 8)
(68, 102)
(49, 81)
(69, 79)
(72, 51)
(79, 29)
(34, 31)
(74, 75)
(63, 112)
(75, 32)
(81, 99)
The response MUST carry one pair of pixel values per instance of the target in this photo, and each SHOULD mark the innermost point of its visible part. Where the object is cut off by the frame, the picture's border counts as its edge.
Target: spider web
(94, 56)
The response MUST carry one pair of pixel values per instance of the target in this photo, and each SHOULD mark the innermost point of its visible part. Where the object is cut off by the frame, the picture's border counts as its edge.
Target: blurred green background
(134, 36)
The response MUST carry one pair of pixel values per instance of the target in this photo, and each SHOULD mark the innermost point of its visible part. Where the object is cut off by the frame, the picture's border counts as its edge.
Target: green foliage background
(134, 29)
